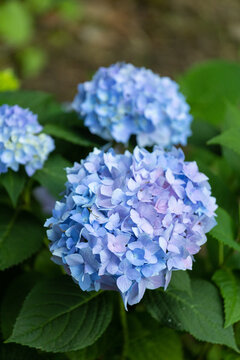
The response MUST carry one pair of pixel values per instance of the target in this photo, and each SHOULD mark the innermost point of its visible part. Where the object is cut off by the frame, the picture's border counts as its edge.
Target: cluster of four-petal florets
(128, 220)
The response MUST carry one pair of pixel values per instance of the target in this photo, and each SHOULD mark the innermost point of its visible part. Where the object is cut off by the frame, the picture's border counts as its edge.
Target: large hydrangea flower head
(20, 141)
(128, 220)
(123, 100)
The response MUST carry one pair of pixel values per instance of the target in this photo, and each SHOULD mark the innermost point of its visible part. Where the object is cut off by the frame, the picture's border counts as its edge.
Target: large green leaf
(229, 285)
(209, 86)
(148, 341)
(224, 231)
(13, 300)
(14, 183)
(68, 135)
(229, 138)
(58, 317)
(53, 174)
(200, 314)
(181, 281)
(21, 235)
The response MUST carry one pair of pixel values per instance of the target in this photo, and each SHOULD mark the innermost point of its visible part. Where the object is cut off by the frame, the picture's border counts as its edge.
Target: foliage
(44, 315)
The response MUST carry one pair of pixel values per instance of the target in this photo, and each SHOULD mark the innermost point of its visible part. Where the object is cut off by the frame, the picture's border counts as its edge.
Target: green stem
(123, 318)
(221, 254)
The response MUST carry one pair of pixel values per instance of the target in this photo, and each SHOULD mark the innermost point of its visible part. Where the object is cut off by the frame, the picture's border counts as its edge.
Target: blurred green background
(52, 45)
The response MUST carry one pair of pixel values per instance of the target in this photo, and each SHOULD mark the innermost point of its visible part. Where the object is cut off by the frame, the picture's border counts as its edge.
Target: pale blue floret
(128, 220)
(124, 100)
(20, 141)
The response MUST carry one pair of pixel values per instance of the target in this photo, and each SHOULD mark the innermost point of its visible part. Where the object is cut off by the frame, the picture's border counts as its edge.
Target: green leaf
(229, 285)
(21, 235)
(148, 342)
(14, 183)
(15, 23)
(232, 116)
(224, 230)
(181, 281)
(201, 315)
(13, 300)
(41, 103)
(68, 135)
(32, 61)
(53, 174)
(58, 317)
(229, 138)
(17, 352)
(209, 86)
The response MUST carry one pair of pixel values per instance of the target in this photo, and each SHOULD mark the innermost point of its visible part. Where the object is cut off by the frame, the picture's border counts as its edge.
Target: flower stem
(123, 318)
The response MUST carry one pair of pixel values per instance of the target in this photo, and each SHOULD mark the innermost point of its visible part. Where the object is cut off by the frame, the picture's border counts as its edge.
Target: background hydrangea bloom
(20, 143)
(127, 221)
(124, 100)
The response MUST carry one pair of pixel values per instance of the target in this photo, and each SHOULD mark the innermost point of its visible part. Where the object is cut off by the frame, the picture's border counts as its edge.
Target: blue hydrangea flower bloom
(124, 100)
(128, 220)
(20, 141)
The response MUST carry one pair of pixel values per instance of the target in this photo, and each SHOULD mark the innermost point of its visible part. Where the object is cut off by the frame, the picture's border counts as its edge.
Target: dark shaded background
(167, 36)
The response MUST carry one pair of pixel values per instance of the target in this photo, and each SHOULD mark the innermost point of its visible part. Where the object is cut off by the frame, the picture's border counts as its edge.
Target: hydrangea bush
(124, 100)
(127, 221)
(20, 141)
(145, 264)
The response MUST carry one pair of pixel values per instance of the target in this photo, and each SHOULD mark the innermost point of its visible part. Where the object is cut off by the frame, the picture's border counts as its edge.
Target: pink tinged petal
(123, 283)
(161, 206)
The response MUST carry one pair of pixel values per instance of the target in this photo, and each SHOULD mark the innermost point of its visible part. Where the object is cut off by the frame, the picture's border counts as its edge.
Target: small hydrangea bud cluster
(124, 100)
(20, 141)
(128, 220)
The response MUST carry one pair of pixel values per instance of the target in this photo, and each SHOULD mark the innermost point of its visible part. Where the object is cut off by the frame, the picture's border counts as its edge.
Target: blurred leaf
(201, 132)
(232, 116)
(13, 300)
(8, 81)
(16, 26)
(229, 285)
(224, 230)
(14, 183)
(72, 10)
(40, 7)
(201, 315)
(32, 61)
(57, 317)
(68, 135)
(209, 86)
(53, 174)
(152, 342)
(229, 138)
(41, 103)
(21, 235)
